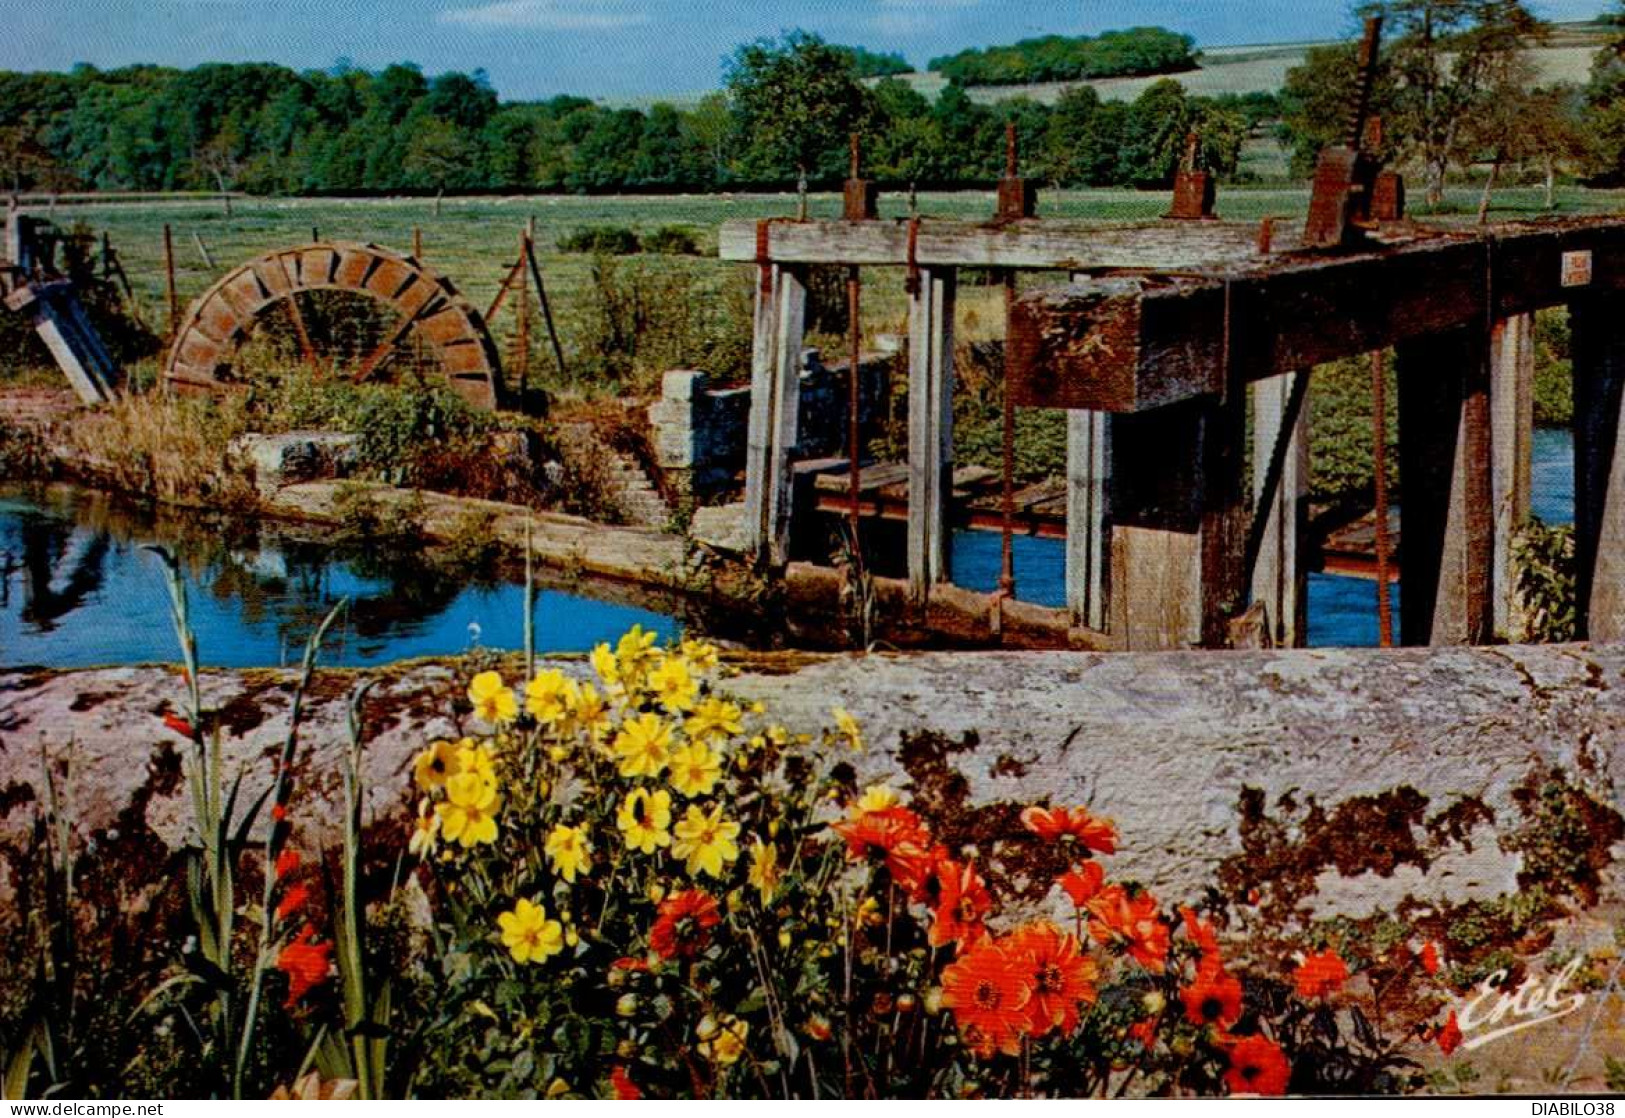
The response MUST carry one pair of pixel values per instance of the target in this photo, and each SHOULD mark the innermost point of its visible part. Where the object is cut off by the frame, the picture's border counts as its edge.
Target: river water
(78, 588)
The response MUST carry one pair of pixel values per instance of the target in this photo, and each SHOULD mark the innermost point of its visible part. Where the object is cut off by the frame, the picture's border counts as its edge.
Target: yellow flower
(545, 696)
(701, 655)
(778, 735)
(764, 868)
(695, 769)
(493, 700)
(643, 745)
(876, 797)
(529, 935)
(706, 841)
(567, 848)
(722, 1038)
(606, 665)
(425, 833)
(672, 685)
(589, 713)
(431, 767)
(469, 815)
(645, 818)
(715, 716)
(848, 727)
(477, 759)
(635, 650)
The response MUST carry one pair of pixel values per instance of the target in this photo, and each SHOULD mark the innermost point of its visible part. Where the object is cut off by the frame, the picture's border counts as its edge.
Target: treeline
(1058, 58)
(267, 129)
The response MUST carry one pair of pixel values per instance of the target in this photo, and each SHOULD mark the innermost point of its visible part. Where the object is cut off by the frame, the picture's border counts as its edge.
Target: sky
(608, 48)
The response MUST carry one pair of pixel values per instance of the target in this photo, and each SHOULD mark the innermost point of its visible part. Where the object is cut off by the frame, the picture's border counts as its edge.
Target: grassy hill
(1251, 68)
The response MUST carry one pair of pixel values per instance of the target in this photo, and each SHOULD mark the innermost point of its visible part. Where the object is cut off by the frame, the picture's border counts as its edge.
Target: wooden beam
(1598, 350)
(1280, 469)
(774, 401)
(1046, 244)
(1512, 428)
(1131, 343)
(1088, 547)
(930, 428)
(1447, 517)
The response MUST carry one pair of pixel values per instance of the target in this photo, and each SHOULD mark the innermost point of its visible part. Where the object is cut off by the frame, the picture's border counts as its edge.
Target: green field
(474, 240)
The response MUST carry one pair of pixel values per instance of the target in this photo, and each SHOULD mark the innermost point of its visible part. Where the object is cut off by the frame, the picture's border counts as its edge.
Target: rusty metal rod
(1007, 554)
(522, 310)
(502, 292)
(1379, 462)
(853, 432)
(169, 282)
(541, 296)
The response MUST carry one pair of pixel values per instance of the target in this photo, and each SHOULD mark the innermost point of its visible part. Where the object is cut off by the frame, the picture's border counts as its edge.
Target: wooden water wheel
(420, 310)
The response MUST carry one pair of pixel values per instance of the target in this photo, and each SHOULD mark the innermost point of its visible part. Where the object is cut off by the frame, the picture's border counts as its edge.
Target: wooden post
(1280, 576)
(1599, 466)
(522, 311)
(775, 390)
(1088, 509)
(930, 427)
(169, 282)
(417, 244)
(541, 296)
(1177, 537)
(1512, 426)
(1447, 517)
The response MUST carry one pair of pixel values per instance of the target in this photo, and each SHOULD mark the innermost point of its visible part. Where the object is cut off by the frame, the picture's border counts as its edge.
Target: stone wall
(1304, 783)
(700, 430)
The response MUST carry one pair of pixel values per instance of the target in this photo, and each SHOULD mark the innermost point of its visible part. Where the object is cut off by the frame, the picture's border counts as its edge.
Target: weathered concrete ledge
(1319, 782)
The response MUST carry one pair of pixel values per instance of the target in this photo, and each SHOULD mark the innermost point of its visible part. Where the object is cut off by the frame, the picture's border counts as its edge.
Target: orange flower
(1082, 882)
(683, 927)
(1061, 977)
(1449, 1038)
(623, 1085)
(1214, 998)
(987, 990)
(1257, 1067)
(962, 901)
(293, 900)
(1059, 824)
(1322, 974)
(305, 964)
(178, 724)
(287, 862)
(894, 835)
(1199, 932)
(1131, 923)
(1430, 958)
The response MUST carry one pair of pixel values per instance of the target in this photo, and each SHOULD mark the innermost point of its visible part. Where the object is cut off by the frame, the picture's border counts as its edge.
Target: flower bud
(784, 939)
(707, 1028)
(657, 892)
(626, 1005)
(627, 1049)
(906, 1003)
(1154, 1003)
(933, 1000)
(570, 937)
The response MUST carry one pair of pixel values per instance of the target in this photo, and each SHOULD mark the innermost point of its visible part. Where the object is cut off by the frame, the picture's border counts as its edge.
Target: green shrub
(672, 240)
(1543, 559)
(610, 240)
(1554, 370)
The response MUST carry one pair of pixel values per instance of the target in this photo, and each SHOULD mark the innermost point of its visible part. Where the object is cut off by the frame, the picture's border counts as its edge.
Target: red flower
(1061, 977)
(894, 835)
(1200, 932)
(987, 990)
(1082, 882)
(287, 862)
(1131, 923)
(683, 927)
(279, 812)
(1257, 1067)
(1145, 1032)
(962, 901)
(1214, 998)
(1321, 974)
(1449, 1038)
(627, 962)
(623, 1085)
(293, 900)
(1059, 824)
(305, 964)
(178, 724)
(1430, 958)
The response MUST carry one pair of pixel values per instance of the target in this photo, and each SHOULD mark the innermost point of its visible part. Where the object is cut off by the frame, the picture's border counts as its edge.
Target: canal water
(78, 588)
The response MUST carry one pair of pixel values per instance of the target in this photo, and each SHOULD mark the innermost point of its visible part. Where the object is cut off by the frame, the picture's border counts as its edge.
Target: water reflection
(77, 588)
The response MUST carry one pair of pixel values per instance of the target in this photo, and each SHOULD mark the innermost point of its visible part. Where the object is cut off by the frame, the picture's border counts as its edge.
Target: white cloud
(549, 15)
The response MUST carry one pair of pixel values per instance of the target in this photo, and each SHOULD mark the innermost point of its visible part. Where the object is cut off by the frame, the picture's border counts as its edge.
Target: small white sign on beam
(1576, 269)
